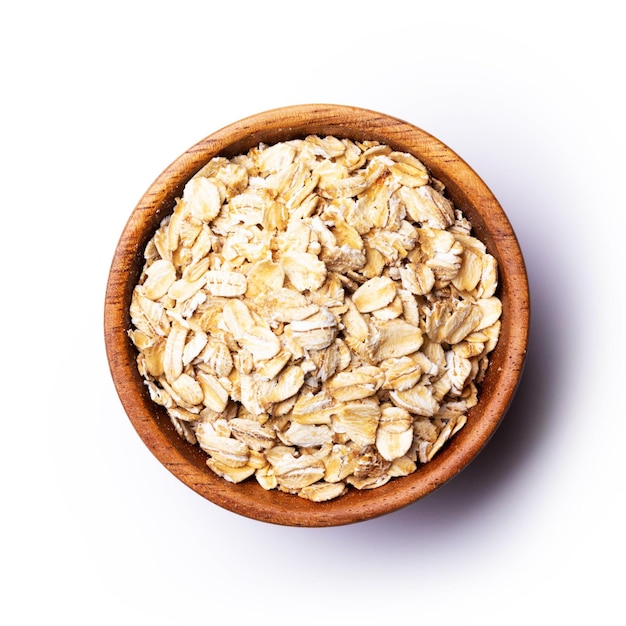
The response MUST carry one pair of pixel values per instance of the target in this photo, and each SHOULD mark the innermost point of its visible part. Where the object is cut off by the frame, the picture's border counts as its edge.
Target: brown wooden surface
(468, 192)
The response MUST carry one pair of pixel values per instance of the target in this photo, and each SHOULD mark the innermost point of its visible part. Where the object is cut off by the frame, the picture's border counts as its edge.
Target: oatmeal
(316, 315)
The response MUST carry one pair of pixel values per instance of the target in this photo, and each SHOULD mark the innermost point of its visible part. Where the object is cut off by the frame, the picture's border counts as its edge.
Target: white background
(98, 99)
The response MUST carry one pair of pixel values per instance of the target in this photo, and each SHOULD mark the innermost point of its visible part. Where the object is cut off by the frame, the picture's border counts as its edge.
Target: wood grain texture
(468, 192)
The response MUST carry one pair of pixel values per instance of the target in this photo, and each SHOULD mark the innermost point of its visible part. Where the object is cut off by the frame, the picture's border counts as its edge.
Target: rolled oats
(315, 314)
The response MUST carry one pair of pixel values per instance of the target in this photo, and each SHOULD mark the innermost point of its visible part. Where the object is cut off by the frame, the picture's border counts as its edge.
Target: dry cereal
(315, 314)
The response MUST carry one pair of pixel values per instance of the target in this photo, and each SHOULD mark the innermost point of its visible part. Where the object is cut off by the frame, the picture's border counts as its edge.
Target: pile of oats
(315, 314)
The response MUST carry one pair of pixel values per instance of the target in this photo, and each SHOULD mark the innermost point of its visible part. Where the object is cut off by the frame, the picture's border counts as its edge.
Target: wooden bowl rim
(467, 190)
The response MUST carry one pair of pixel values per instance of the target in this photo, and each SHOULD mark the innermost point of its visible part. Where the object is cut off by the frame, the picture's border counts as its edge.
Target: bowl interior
(468, 192)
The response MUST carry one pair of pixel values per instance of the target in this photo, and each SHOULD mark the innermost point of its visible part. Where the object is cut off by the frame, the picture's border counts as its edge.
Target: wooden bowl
(468, 192)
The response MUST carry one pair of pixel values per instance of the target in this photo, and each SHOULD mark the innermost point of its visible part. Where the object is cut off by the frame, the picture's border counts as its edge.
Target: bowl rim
(467, 190)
